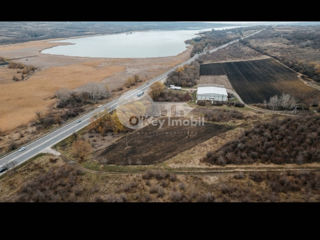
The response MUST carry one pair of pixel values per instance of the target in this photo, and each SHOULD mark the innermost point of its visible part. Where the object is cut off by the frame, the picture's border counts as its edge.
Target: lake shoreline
(128, 45)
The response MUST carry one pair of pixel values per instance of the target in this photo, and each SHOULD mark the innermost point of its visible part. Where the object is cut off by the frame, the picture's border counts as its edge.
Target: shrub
(237, 104)
(81, 149)
(176, 196)
(201, 103)
(172, 177)
(156, 189)
(131, 81)
(15, 65)
(14, 78)
(156, 90)
(207, 197)
(147, 175)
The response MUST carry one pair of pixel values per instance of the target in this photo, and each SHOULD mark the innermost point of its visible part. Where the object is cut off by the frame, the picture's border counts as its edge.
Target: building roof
(214, 90)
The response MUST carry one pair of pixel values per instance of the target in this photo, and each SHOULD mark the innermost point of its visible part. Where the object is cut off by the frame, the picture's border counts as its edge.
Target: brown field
(215, 80)
(235, 52)
(152, 144)
(258, 80)
(19, 101)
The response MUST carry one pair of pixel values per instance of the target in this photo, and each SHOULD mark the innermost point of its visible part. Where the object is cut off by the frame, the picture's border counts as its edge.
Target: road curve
(32, 149)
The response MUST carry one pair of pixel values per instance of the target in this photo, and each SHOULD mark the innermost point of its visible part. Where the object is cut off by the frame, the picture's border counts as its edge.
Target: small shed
(212, 93)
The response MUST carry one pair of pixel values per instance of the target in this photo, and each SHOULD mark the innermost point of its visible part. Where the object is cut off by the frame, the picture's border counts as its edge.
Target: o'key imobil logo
(142, 110)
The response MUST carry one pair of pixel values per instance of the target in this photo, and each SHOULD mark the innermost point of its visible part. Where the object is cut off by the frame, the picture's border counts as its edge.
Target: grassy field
(258, 80)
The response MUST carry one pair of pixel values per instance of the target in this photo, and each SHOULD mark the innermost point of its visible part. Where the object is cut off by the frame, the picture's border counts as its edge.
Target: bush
(15, 65)
(131, 81)
(201, 103)
(176, 196)
(237, 104)
(14, 78)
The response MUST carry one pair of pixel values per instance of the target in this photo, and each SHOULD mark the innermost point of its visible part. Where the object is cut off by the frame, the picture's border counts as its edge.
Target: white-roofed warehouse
(212, 93)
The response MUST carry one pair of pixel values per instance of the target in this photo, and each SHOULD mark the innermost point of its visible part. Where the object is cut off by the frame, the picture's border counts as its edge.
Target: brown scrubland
(19, 101)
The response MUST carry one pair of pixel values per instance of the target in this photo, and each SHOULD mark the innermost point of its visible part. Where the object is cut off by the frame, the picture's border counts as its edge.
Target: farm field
(234, 52)
(152, 144)
(258, 80)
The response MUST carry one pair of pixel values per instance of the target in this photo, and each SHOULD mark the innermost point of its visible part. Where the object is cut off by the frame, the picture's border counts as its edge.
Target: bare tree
(63, 95)
(273, 102)
(284, 102)
(95, 91)
(287, 101)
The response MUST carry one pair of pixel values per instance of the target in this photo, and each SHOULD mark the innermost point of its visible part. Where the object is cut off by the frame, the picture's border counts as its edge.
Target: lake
(140, 44)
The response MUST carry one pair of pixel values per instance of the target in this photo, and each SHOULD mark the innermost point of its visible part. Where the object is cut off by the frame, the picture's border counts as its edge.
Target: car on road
(140, 94)
(78, 121)
(21, 149)
(3, 169)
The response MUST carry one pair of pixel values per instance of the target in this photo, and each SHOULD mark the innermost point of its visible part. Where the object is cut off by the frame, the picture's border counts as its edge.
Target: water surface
(143, 44)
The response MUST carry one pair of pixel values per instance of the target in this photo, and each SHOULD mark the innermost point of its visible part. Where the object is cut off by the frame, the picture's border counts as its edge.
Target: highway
(32, 149)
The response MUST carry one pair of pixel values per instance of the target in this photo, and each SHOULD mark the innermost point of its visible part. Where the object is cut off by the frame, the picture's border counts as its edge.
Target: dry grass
(215, 80)
(299, 89)
(191, 157)
(7, 74)
(19, 101)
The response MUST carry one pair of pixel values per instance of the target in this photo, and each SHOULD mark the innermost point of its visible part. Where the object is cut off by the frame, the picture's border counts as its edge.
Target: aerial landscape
(159, 112)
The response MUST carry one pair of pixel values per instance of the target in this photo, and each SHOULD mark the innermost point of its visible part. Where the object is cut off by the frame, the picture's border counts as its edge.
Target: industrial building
(212, 93)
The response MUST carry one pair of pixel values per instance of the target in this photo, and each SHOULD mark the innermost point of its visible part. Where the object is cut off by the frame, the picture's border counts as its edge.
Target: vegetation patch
(58, 184)
(292, 140)
(220, 115)
(185, 76)
(159, 93)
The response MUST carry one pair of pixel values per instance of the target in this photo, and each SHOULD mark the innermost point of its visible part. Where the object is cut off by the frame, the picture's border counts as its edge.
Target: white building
(212, 93)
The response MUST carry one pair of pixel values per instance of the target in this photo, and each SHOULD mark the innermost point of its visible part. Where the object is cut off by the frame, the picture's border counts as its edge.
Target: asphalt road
(34, 148)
